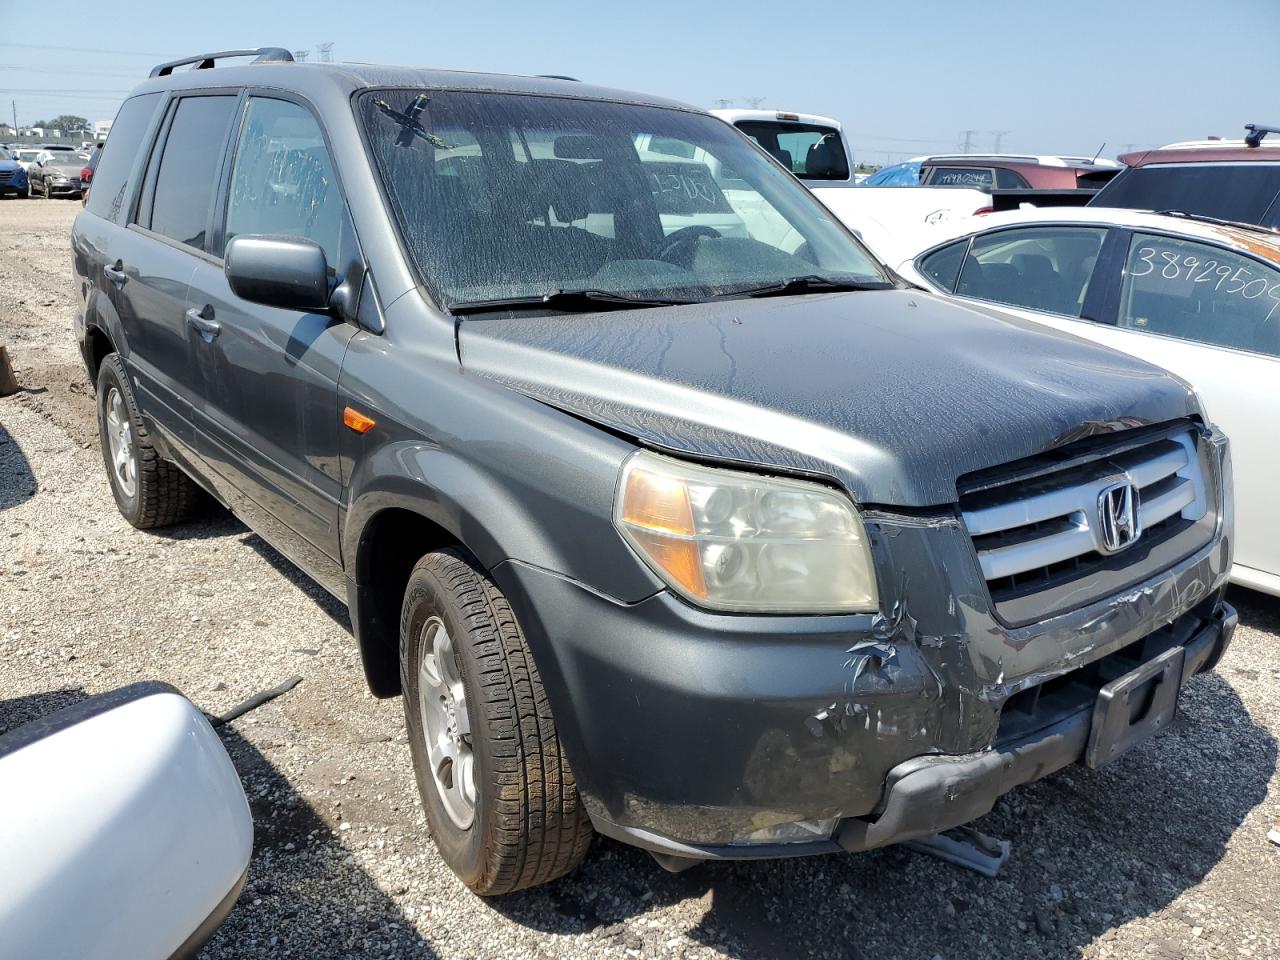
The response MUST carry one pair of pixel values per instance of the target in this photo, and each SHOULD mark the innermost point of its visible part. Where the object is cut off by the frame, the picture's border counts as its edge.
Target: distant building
(101, 128)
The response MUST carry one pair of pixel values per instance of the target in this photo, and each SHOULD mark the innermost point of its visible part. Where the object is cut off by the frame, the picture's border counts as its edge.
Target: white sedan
(1200, 298)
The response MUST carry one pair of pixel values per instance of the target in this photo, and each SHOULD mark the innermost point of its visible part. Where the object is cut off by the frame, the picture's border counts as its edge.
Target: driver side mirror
(286, 272)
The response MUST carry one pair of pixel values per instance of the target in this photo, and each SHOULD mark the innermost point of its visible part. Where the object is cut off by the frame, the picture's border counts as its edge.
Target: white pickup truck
(815, 149)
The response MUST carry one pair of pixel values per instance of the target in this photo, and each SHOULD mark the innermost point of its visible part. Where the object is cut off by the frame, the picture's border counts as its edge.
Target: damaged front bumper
(700, 735)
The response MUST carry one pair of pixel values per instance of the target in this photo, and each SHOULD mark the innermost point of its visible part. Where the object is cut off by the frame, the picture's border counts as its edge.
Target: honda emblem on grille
(1119, 525)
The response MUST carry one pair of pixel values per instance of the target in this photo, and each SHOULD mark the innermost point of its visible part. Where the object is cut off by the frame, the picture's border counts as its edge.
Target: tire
(528, 824)
(160, 493)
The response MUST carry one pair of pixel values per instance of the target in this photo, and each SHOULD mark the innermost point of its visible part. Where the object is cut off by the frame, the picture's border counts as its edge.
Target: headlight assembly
(740, 542)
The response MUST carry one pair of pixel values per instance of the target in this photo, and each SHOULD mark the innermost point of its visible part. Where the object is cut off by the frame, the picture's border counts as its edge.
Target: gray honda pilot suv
(670, 512)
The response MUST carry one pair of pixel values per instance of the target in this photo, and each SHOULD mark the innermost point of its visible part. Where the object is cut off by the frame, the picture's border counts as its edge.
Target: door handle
(115, 273)
(203, 323)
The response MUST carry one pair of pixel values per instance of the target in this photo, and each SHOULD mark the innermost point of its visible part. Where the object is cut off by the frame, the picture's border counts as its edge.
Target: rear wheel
(498, 793)
(149, 490)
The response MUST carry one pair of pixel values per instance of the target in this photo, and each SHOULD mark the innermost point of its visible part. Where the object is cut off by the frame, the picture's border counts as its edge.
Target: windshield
(502, 196)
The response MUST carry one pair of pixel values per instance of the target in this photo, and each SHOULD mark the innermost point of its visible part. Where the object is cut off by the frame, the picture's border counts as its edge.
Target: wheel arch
(388, 545)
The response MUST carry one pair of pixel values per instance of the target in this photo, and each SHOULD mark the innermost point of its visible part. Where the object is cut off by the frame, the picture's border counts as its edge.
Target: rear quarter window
(110, 177)
(943, 266)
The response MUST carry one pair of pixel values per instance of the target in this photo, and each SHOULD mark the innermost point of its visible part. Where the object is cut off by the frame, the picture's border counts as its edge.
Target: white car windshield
(503, 197)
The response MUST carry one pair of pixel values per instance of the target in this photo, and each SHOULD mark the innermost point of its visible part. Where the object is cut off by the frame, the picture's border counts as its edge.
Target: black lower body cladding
(693, 733)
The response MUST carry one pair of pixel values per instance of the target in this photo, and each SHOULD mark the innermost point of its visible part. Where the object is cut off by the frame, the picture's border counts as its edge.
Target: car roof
(1259, 240)
(343, 79)
(1220, 152)
(1043, 160)
(785, 116)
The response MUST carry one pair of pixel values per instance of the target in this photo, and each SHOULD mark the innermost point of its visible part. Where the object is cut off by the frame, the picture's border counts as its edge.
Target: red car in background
(1017, 172)
(86, 174)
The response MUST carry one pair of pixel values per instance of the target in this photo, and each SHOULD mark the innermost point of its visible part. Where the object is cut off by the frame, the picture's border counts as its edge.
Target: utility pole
(999, 135)
(326, 51)
(966, 146)
(724, 104)
(301, 55)
(14, 104)
(754, 102)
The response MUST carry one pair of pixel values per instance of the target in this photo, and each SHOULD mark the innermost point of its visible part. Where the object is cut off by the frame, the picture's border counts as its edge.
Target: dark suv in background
(719, 540)
(1237, 181)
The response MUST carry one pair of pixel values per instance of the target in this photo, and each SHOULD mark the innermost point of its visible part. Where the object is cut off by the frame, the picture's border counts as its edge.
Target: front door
(267, 416)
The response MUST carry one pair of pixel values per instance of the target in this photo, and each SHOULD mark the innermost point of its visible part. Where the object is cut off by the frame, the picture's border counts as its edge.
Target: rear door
(155, 260)
(267, 414)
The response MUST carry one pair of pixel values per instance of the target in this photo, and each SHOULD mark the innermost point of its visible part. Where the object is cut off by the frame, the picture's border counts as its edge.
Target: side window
(943, 266)
(115, 159)
(1181, 288)
(1010, 180)
(981, 177)
(188, 175)
(1040, 268)
(282, 178)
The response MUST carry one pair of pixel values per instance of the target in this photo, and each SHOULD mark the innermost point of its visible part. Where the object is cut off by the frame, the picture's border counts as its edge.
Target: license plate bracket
(1134, 707)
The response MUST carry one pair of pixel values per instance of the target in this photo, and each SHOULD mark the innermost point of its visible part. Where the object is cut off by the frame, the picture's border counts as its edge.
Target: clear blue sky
(904, 77)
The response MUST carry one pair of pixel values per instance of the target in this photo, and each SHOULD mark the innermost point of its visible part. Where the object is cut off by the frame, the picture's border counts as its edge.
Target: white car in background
(1200, 298)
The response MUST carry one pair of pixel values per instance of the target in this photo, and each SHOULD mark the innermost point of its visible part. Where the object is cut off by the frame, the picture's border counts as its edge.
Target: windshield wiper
(570, 301)
(811, 283)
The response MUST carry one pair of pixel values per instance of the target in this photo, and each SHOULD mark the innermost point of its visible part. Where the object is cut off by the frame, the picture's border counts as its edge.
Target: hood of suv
(893, 394)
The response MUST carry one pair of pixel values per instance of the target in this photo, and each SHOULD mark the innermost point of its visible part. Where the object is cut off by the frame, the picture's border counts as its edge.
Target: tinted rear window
(111, 174)
(810, 151)
(1244, 192)
(189, 168)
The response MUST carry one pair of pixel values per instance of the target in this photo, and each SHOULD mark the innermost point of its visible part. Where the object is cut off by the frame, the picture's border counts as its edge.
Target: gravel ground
(1165, 855)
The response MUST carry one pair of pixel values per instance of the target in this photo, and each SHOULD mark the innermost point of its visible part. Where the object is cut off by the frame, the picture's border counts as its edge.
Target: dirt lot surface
(1163, 855)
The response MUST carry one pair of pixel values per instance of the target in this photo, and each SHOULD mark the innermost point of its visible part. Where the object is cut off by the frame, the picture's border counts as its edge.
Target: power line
(875, 136)
(36, 91)
(966, 145)
(47, 46)
(72, 71)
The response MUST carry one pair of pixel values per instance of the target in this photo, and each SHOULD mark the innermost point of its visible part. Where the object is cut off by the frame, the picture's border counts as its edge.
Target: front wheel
(500, 799)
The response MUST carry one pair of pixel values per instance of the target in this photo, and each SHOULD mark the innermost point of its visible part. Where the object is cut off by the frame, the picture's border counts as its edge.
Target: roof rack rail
(556, 76)
(1256, 132)
(205, 61)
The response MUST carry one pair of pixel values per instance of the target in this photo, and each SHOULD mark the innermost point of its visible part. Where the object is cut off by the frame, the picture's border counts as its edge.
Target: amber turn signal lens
(357, 421)
(657, 502)
(657, 509)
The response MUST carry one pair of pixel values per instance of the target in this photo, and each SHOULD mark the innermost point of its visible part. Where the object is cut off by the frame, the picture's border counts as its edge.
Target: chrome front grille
(6, 176)
(1043, 531)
